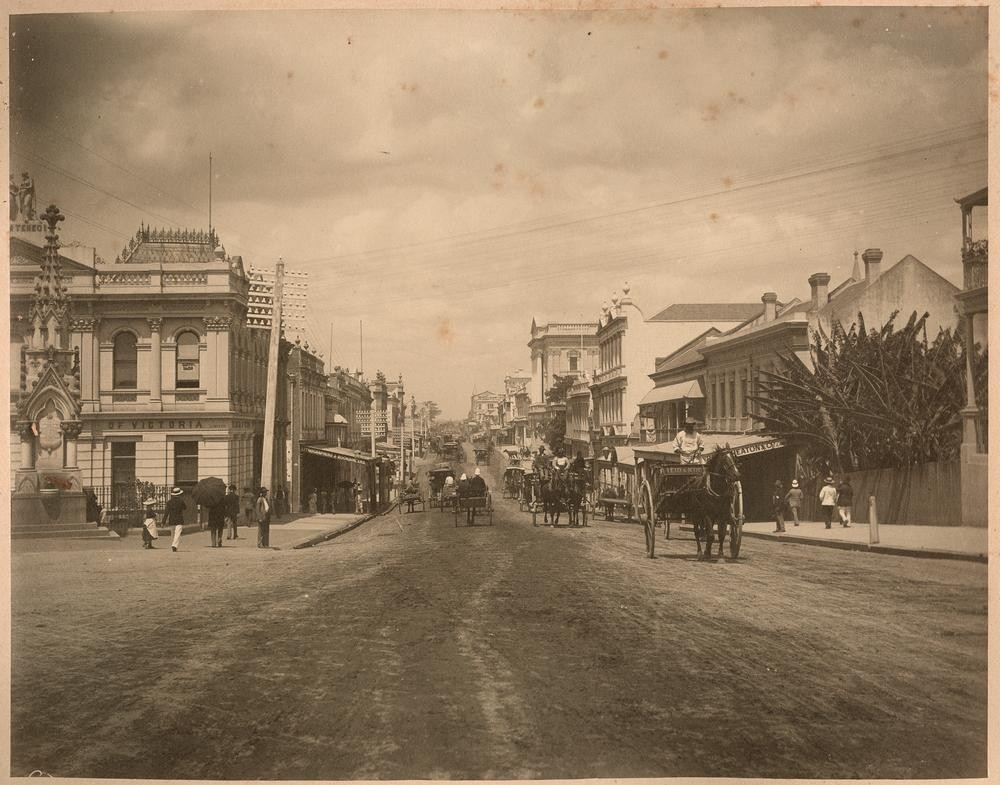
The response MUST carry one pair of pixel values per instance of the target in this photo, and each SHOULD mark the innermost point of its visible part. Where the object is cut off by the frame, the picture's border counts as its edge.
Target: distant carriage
(473, 506)
(440, 496)
(482, 456)
(513, 480)
(555, 493)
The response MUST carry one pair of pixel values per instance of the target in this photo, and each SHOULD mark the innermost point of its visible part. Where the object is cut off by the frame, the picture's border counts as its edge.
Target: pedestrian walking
(262, 508)
(311, 501)
(794, 500)
(280, 502)
(324, 501)
(231, 503)
(828, 501)
(356, 493)
(778, 506)
(845, 501)
(149, 532)
(248, 500)
(217, 522)
(174, 516)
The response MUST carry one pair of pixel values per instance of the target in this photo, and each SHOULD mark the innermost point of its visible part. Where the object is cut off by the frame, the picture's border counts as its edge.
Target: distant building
(485, 408)
(557, 349)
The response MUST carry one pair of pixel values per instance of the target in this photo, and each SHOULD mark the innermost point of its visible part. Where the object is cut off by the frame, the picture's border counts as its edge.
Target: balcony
(975, 260)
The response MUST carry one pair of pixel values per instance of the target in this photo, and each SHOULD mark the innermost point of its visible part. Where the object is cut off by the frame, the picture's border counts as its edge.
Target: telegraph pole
(270, 402)
(402, 432)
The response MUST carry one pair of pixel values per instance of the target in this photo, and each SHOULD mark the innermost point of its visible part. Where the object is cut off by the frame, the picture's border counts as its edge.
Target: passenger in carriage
(579, 465)
(560, 463)
(477, 485)
(688, 444)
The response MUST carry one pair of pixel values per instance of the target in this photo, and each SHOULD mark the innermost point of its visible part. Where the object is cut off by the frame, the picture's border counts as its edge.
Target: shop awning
(339, 454)
(673, 392)
(621, 455)
(740, 444)
(339, 419)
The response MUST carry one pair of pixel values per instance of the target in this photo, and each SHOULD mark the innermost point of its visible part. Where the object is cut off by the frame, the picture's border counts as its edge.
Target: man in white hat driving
(688, 444)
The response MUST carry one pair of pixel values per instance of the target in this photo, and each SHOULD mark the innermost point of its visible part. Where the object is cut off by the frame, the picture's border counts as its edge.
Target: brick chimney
(818, 282)
(873, 264)
(770, 300)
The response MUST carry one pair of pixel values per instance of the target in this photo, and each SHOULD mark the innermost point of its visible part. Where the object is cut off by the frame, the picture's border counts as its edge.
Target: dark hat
(690, 421)
(232, 487)
(262, 491)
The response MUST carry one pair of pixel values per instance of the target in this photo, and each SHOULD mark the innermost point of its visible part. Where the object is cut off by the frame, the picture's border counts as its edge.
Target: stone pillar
(155, 363)
(71, 430)
(27, 434)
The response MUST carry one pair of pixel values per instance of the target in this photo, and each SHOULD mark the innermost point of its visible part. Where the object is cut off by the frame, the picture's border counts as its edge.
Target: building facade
(557, 349)
(172, 377)
(485, 408)
(629, 342)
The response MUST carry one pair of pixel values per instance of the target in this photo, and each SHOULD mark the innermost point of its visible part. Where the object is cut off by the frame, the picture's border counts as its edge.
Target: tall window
(732, 395)
(744, 403)
(188, 370)
(125, 374)
(185, 464)
(574, 362)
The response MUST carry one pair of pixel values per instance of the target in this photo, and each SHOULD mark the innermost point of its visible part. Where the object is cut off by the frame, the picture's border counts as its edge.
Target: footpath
(968, 543)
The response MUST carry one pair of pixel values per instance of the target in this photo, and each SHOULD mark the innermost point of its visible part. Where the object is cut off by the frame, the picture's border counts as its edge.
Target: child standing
(828, 501)
(149, 532)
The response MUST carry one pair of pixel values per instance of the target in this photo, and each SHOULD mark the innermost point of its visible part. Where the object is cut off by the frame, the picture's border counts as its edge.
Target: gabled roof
(36, 253)
(708, 312)
(688, 353)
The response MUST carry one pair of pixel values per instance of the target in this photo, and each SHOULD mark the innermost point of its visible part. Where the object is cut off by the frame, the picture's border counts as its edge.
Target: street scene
(421, 394)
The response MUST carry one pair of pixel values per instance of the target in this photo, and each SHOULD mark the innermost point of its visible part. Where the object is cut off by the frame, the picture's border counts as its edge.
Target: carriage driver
(560, 463)
(688, 444)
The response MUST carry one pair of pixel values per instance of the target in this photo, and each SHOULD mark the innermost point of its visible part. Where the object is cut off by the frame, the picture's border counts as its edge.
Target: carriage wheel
(736, 526)
(647, 516)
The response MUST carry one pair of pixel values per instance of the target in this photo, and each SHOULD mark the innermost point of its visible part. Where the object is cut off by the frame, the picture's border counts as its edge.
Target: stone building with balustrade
(557, 349)
(172, 379)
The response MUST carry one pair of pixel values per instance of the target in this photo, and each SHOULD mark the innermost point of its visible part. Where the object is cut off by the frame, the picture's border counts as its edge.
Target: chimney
(873, 264)
(770, 300)
(818, 283)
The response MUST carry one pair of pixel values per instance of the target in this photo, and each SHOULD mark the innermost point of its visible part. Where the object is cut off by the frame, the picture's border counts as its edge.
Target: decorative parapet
(185, 279)
(121, 279)
(975, 263)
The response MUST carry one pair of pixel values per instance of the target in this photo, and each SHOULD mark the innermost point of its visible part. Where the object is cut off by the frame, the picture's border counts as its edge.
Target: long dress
(150, 525)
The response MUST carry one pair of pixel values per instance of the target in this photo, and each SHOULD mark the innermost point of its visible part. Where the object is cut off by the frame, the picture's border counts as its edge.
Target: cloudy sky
(446, 176)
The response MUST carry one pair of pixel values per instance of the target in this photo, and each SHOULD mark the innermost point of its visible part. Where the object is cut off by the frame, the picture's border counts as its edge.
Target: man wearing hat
(828, 501)
(174, 516)
(262, 507)
(778, 506)
(688, 444)
(232, 507)
(794, 500)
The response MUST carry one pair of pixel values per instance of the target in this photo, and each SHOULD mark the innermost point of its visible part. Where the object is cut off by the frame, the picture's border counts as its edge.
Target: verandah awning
(739, 444)
(673, 392)
(339, 453)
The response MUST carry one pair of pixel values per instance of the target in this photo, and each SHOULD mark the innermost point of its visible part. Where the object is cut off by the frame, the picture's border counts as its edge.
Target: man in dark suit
(232, 508)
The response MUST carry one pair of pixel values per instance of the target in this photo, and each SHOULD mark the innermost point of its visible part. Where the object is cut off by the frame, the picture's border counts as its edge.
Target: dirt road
(413, 649)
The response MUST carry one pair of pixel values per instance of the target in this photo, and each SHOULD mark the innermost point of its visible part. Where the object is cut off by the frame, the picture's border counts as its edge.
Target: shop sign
(753, 449)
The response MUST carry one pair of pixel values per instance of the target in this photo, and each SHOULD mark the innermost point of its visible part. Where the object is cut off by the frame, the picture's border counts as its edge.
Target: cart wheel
(735, 537)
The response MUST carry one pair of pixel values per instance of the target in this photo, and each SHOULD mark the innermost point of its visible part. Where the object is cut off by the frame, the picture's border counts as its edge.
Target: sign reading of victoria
(150, 425)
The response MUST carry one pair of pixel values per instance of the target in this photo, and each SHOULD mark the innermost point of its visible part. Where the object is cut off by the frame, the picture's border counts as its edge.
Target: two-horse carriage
(554, 493)
(707, 495)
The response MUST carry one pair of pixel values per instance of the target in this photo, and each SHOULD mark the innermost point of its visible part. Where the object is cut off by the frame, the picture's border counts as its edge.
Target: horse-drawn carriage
(707, 495)
(451, 450)
(473, 506)
(482, 456)
(554, 493)
(442, 494)
(513, 480)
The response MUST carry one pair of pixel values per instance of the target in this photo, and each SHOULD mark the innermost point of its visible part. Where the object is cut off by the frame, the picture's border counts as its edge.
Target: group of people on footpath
(221, 516)
(325, 501)
(834, 499)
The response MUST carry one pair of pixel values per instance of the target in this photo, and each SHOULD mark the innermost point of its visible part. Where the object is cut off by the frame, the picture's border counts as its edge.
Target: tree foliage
(560, 389)
(874, 398)
(554, 431)
(432, 409)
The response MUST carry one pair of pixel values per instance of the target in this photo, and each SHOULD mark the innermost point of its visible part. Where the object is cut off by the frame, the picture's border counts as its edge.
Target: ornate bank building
(143, 370)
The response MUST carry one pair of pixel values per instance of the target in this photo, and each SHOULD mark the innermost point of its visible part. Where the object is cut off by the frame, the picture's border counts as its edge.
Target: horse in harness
(711, 500)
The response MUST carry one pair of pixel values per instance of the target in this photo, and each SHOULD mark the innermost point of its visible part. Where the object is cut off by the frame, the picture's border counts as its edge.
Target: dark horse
(575, 497)
(553, 498)
(708, 501)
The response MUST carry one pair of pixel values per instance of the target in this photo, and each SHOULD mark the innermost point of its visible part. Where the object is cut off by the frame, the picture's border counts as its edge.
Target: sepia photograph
(571, 393)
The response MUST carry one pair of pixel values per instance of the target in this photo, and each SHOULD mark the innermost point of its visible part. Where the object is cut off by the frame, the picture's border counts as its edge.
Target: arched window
(125, 364)
(188, 370)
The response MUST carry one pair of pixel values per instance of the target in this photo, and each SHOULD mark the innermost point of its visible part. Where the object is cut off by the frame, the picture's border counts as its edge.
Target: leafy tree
(432, 409)
(560, 389)
(554, 431)
(874, 398)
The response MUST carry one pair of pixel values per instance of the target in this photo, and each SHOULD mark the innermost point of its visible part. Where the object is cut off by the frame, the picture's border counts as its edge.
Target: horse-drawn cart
(513, 479)
(482, 456)
(703, 494)
(473, 506)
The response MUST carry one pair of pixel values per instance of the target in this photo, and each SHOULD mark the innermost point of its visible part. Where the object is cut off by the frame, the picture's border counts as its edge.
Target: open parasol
(209, 491)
